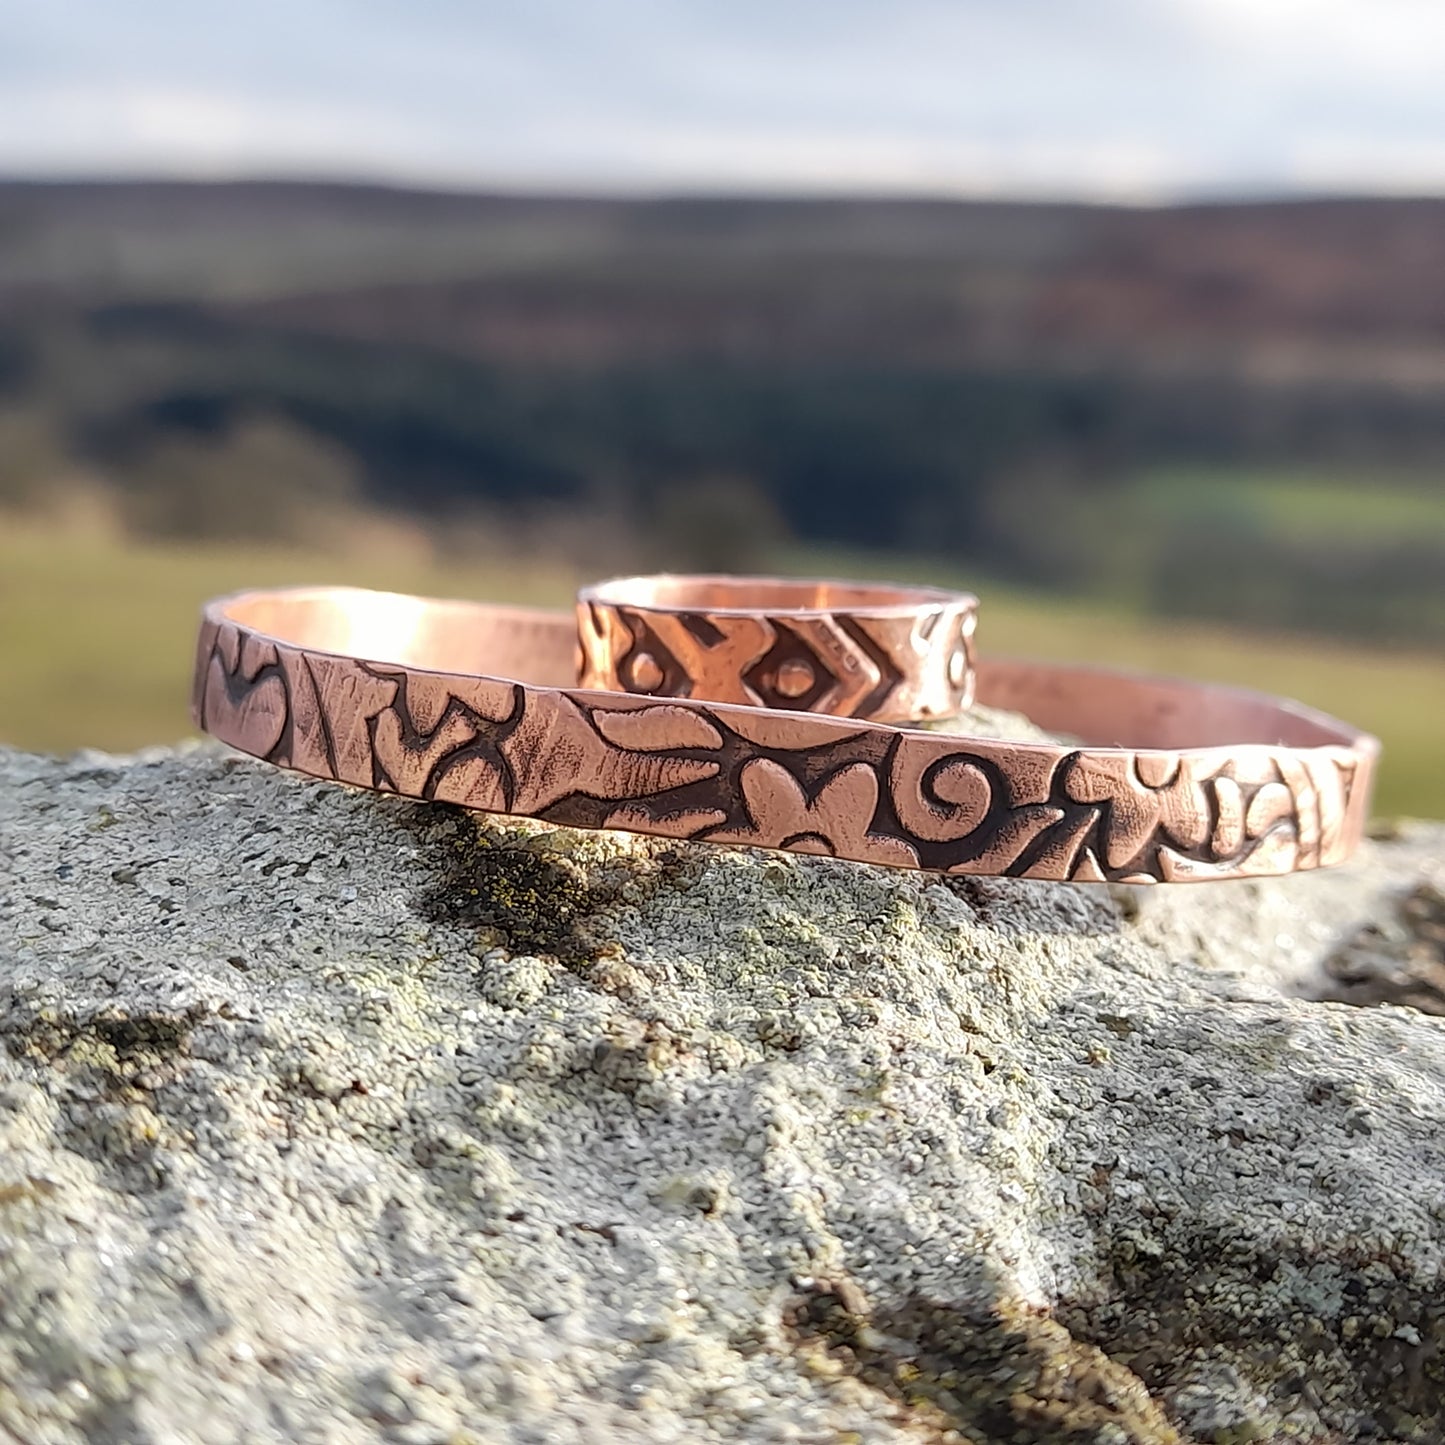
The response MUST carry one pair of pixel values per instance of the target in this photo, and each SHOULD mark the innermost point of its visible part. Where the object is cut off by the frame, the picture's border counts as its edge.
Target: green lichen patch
(523, 891)
(1397, 959)
(1008, 1374)
(117, 1052)
(107, 1067)
(1341, 1325)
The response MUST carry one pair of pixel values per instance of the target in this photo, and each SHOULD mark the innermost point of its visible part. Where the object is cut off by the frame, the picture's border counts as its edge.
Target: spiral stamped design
(733, 774)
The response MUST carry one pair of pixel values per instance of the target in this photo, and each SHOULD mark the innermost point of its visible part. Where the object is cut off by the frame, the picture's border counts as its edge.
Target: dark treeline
(993, 385)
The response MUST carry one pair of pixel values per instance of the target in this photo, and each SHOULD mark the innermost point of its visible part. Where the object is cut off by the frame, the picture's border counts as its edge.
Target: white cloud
(1114, 97)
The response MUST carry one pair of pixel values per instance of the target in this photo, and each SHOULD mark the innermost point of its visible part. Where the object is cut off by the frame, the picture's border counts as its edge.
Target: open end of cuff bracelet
(476, 705)
(882, 651)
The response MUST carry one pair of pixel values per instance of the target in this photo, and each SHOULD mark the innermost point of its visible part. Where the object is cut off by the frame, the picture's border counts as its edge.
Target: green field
(1307, 505)
(96, 637)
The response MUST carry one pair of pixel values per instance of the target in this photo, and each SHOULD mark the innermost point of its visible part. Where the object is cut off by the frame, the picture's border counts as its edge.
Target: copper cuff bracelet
(891, 654)
(475, 704)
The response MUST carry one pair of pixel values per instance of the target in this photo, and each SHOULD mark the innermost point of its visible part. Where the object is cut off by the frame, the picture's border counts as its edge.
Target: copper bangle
(891, 654)
(473, 704)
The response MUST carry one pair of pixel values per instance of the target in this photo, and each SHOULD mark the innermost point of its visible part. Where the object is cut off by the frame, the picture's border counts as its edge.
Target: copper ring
(473, 704)
(888, 653)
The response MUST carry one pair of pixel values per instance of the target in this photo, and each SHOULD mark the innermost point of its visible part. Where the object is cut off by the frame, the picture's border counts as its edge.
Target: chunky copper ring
(892, 654)
(473, 704)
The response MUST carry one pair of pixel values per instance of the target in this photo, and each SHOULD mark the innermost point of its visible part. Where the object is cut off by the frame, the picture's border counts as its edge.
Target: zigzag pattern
(914, 666)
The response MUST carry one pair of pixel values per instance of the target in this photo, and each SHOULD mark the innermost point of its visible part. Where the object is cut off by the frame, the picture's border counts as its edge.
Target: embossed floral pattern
(803, 783)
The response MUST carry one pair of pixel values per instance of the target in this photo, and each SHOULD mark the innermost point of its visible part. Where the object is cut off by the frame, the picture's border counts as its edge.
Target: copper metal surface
(892, 654)
(474, 704)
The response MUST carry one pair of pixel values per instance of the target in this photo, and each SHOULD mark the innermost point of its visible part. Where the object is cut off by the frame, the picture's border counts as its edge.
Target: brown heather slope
(1344, 288)
(1339, 290)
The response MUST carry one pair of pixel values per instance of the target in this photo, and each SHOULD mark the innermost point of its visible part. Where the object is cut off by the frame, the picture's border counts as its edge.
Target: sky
(1107, 99)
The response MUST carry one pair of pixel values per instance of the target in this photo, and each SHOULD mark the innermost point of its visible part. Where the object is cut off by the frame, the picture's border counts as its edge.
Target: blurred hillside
(1233, 413)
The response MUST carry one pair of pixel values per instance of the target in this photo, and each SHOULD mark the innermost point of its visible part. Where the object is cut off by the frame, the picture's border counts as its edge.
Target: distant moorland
(1231, 412)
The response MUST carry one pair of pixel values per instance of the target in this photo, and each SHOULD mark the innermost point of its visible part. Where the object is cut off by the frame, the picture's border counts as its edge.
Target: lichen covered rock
(327, 1117)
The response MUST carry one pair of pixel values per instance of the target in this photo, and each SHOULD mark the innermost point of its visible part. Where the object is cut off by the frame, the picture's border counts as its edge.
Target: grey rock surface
(332, 1118)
